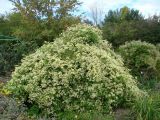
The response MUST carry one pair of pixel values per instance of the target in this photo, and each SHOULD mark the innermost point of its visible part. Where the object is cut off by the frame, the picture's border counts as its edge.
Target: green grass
(147, 108)
(85, 116)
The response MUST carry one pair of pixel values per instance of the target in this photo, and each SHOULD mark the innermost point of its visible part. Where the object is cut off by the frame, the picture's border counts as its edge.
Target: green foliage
(35, 10)
(147, 108)
(10, 22)
(120, 25)
(119, 33)
(127, 24)
(142, 58)
(43, 20)
(150, 84)
(124, 14)
(4, 29)
(3, 91)
(11, 52)
(78, 72)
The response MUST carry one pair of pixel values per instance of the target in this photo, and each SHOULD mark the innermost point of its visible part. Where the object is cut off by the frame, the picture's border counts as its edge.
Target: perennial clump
(77, 72)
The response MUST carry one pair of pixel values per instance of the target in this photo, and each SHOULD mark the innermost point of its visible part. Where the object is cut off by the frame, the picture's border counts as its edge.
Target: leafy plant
(11, 53)
(142, 58)
(78, 72)
(3, 91)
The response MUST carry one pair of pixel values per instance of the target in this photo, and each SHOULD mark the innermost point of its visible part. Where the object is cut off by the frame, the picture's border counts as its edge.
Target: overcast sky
(146, 7)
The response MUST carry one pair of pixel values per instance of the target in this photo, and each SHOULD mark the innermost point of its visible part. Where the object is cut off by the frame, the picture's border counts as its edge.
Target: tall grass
(147, 108)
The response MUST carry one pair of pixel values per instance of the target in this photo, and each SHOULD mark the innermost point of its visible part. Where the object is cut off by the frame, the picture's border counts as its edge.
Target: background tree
(4, 29)
(9, 22)
(119, 25)
(127, 24)
(124, 14)
(44, 19)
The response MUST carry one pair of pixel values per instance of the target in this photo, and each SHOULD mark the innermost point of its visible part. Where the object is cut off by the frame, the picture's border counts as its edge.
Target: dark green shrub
(78, 72)
(142, 58)
(11, 53)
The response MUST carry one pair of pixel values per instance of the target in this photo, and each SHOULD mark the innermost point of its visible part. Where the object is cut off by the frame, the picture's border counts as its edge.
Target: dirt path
(122, 114)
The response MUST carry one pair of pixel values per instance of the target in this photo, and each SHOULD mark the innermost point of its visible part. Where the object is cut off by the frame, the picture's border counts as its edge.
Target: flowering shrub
(142, 58)
(78, 72)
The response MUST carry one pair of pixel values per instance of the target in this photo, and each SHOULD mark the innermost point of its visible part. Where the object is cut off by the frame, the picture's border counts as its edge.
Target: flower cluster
(78, 72)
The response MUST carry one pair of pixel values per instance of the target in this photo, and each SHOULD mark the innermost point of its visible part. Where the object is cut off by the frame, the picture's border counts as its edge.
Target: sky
(146, 7)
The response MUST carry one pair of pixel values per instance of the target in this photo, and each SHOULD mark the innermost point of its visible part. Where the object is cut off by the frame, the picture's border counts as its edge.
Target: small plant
(3, 90)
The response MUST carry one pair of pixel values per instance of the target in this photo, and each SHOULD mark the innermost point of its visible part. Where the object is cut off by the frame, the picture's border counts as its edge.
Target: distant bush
(11, 53)
(142, 58)
(78, 72)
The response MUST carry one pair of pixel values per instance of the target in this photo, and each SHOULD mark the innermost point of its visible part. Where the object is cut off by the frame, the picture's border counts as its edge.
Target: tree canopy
(44, 19)
(127, 24)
